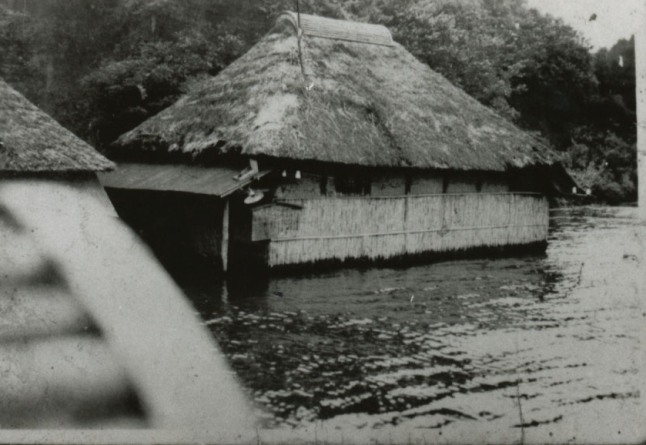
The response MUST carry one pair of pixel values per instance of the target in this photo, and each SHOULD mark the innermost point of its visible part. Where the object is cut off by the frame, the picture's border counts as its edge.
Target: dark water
(540, 348)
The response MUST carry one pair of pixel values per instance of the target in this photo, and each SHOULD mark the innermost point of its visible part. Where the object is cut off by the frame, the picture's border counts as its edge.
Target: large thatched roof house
(364, 152)
(94, 334)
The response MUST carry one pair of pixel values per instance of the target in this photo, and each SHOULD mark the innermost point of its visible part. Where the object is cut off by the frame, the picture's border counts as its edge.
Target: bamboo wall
(383, 227)
(394, 184)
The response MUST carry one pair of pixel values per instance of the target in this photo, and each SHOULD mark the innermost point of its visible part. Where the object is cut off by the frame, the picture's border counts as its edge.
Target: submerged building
(94, 334)
(328, 141)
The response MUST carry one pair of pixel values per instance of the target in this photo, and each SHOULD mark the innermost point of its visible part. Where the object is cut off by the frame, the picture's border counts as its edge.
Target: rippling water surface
(539, 348)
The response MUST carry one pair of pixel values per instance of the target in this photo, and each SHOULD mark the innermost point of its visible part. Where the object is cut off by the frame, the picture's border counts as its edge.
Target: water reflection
(517, 344)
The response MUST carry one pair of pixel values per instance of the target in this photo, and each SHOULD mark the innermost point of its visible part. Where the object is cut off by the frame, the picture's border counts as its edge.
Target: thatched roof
(31, 141)
(339, 99)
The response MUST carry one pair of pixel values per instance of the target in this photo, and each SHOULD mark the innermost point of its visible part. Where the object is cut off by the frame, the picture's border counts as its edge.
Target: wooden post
(406, 227)
(224, 247)
(640, 67)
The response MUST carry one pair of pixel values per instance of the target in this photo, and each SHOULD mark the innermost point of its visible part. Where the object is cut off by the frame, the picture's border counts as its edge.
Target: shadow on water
(209, 291)
(431, 345)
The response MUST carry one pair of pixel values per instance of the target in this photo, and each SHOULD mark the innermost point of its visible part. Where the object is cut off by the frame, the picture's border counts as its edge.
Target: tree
(102, 66)
(162, 45)
(16, 65)
(556, 82)
(616, 106)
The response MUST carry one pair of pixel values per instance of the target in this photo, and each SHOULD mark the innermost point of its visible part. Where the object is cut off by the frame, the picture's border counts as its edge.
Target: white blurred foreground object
(94, 334)
(149, 327)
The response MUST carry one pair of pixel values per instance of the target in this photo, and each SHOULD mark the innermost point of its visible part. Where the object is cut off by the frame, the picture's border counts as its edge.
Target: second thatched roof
(32, 141)
(345, 94)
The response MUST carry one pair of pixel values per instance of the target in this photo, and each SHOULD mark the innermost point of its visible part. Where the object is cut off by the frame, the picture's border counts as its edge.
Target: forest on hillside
(101, 67)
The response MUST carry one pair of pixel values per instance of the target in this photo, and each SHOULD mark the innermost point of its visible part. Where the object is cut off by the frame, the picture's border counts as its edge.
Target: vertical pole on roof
(640, 67)
(298, 13)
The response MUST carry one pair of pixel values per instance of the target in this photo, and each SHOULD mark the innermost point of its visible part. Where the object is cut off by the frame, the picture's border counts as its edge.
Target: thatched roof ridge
(336, 101)
(315, 26)
(32, 141)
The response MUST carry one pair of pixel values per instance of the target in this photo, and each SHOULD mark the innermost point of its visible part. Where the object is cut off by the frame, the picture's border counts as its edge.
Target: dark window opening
(352, 185)
(479, 185)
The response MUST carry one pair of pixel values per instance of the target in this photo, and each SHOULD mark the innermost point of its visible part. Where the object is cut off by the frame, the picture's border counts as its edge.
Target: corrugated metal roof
(340, 29)
(217, 181)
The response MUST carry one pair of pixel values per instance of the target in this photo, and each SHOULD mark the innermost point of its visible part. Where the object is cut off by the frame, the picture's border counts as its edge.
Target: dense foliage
(102, 66)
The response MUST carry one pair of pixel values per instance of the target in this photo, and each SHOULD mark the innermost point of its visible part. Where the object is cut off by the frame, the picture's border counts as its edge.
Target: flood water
(538, 348)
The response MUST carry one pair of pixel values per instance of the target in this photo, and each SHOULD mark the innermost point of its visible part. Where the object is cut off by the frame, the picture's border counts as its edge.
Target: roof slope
(338, 100)
(32, 141)
(220, 180)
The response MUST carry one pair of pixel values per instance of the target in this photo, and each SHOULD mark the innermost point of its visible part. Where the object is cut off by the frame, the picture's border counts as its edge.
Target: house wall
(309, 186)
(489, 183)
(397, 184)
(243, 251)
(527, 180)
(173, 224)
(388, 185)
(494, 184)
(426, 184)
(311, 230)
(458, 185)
(399, 216)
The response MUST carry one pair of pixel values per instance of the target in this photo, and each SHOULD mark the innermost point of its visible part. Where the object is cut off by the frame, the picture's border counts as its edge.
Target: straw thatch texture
(336, 101)
(340, 29)
(31, 141)
(351, 228)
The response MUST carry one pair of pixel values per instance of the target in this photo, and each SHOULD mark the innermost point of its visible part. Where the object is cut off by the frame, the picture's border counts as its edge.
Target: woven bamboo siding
(333, 228)
(329, 216)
